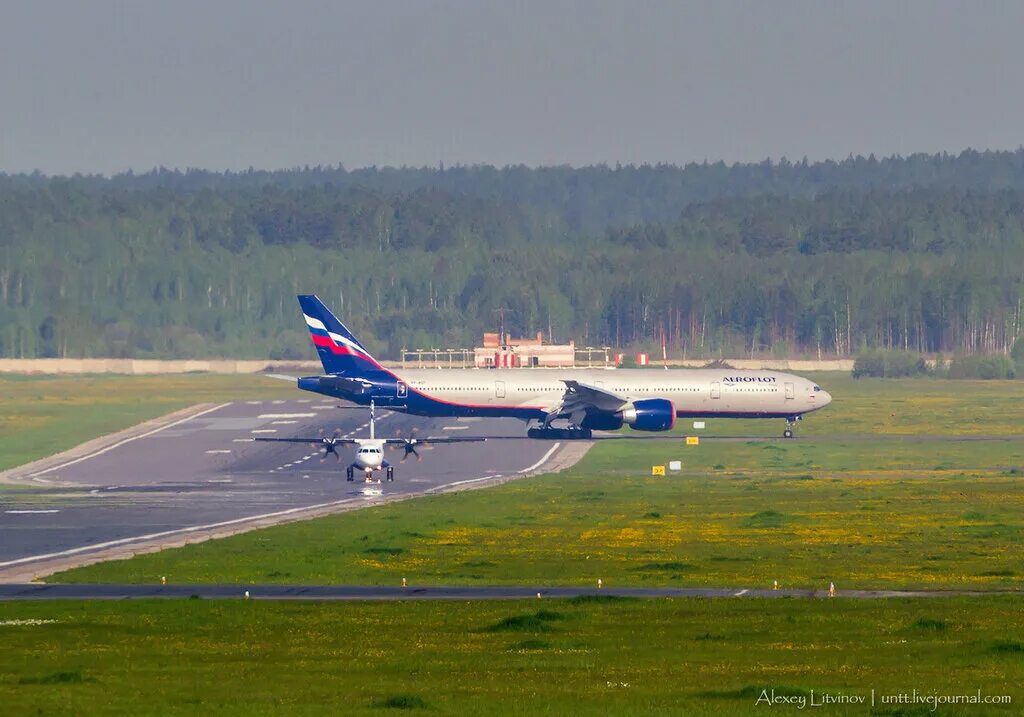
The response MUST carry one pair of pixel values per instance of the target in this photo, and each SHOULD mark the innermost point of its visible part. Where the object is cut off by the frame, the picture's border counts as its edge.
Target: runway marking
(454, 428)
(128, 440)
(278, 401)
(26, 512)
(219, 450)
(286, 415)
(741, 593)
(242, 440)
(263, 430)
(320, 407)
(255, 403)
(220, 480)
(177, 531)
(304, 400)
(539, 463)
(281, 423)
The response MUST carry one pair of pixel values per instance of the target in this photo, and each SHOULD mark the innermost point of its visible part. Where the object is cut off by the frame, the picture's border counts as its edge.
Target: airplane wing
(420, 441)
(585, 396)
(318, 439)
(579, 398)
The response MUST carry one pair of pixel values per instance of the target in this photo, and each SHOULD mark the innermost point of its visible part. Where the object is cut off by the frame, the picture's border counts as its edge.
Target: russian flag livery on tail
(339, 350)
(586, 399)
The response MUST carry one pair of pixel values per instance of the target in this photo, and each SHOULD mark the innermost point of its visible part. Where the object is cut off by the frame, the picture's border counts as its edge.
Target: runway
(378, 593)
(203, 476)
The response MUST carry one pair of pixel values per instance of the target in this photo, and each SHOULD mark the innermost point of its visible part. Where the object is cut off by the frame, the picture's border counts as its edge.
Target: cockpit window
(817, 388)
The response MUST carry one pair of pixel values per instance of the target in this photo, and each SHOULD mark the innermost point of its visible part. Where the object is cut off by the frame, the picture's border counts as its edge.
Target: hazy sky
(104, 86)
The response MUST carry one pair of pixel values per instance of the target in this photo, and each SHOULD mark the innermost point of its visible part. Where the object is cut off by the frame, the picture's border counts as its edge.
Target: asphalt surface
(206, 470)
(369, 592)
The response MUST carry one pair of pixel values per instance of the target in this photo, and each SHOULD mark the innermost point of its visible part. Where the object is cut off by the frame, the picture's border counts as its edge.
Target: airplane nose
(824, 398)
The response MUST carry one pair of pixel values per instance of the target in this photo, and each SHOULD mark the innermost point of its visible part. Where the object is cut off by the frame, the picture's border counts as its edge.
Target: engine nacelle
(650, 414)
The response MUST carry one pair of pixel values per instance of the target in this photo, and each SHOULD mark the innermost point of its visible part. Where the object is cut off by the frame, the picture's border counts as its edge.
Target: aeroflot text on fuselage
(749, 379)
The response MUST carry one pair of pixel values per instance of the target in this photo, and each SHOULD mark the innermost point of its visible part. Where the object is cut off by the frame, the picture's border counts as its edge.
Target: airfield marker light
(831, 590)
(775, 585)
(600, 584)
(404, 583)
(538, 596)
(163, 580)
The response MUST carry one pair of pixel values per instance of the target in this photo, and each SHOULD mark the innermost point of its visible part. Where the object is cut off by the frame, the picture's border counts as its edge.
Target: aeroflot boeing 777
(595, 399)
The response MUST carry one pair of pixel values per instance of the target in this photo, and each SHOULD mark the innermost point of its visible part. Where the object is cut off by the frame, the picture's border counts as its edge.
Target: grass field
(843, 508)
(558, 657)
(40, 416)
(856, 512)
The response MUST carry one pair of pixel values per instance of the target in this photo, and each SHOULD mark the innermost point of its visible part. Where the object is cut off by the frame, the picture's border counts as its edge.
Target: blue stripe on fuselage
(385, 394)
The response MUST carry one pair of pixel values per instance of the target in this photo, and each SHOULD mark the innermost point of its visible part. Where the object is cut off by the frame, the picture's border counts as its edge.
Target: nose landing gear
(790, 422)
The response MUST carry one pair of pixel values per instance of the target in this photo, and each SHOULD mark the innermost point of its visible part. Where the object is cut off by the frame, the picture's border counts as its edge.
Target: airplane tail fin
(339, 350)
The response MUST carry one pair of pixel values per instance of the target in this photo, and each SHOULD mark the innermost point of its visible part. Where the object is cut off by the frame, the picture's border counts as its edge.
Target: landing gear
(349, 474)
(788, 433)
(391, 474)
(560, 434)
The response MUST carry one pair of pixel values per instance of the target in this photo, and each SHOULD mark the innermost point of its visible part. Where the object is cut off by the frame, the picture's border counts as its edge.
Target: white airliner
(586, 400)
(370, 452)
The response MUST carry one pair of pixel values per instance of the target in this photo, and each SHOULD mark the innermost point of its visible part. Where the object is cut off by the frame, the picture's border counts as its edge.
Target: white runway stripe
(286, 415)
(263, 430)
(26, 512)
(539, 463)
(219, 450)
(129, 440)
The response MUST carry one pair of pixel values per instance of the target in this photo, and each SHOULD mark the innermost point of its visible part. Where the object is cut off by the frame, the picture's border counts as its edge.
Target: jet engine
(650, 414)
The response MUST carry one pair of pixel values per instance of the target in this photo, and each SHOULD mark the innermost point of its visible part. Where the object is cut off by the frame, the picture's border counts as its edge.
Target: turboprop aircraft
(587, 400)
(370, 452)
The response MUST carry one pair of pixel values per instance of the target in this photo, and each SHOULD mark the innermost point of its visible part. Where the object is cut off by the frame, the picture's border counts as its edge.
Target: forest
(922, 253)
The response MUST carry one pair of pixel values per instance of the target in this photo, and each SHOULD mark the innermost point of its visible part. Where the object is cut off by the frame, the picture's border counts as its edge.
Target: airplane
(587, 399)
(369, 455)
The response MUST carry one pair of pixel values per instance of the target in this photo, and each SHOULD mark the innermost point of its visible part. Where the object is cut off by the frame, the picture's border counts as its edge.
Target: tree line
(921, 254)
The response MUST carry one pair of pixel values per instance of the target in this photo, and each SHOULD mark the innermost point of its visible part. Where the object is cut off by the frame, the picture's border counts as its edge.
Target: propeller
(330, 445)
(409, 446)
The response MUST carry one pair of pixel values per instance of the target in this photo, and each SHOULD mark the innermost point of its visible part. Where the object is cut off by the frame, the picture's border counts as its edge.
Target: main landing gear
(349, 474)
(790, 422)
(560, 434)
(390, 474)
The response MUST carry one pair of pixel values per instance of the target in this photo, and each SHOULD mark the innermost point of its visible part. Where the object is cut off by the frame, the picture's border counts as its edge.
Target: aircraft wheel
(787, 433)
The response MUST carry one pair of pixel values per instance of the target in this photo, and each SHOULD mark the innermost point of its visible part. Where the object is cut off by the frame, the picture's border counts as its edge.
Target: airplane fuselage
(532, 393)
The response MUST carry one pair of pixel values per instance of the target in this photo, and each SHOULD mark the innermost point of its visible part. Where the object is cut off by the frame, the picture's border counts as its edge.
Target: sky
(103, 86)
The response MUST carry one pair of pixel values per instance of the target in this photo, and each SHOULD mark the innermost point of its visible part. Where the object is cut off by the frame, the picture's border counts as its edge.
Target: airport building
(513, 352)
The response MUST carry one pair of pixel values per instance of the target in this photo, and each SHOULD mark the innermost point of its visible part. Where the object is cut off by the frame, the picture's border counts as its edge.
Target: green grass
(857, 513)
(40, 416)
(693, 657)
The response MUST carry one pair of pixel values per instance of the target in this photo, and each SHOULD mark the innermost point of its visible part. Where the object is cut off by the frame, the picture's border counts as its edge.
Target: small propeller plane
(370, 452)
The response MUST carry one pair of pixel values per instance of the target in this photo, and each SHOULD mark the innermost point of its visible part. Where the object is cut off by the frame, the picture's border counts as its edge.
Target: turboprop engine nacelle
(650, 414)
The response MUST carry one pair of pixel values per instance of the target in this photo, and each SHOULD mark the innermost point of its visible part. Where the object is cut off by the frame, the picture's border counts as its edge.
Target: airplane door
(716, 390)
(499, 389)
(403, 390)
(790, 395)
